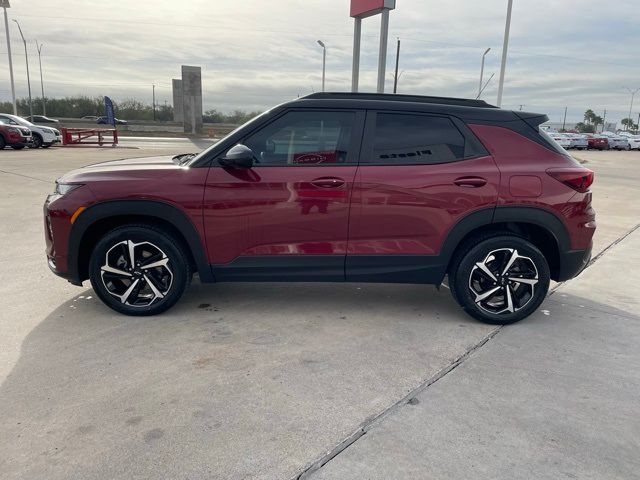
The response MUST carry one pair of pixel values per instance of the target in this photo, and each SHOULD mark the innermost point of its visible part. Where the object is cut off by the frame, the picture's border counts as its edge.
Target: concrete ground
(276, 380)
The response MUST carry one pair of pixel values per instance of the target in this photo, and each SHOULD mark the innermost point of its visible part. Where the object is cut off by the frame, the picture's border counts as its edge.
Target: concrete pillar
(178, 108)
(192, 99)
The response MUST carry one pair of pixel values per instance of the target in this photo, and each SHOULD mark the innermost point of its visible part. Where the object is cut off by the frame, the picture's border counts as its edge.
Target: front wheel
(37, 141)
(499, 280)
(139, 270)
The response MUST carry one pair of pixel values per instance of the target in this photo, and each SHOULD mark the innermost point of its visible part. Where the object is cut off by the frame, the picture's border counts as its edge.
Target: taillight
(578, 178)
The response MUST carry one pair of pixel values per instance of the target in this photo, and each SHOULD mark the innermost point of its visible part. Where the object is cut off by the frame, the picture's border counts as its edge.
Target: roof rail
(393, 97)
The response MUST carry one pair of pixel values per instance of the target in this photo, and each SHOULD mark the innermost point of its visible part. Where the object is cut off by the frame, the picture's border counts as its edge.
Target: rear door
(419, 175)
(286, 218)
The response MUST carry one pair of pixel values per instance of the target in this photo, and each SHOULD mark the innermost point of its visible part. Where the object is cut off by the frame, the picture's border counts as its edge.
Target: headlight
(56, 131)
(64, 188)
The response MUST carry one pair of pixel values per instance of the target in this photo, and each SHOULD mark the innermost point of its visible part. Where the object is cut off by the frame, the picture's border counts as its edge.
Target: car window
(415, 139)
(304, 138)
(8, 121)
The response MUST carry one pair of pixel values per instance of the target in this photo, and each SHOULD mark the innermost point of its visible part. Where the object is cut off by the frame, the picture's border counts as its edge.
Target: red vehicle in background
(14, 136)
(597, 142)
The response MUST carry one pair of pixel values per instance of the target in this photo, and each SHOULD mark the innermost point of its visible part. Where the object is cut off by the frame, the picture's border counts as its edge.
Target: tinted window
(304, 138)
(401, 138)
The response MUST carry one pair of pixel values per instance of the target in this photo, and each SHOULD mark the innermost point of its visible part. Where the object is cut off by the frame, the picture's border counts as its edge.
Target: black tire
(37, 141)
(46, 145)
(3, 143)
(17, 147)
(170, 281)
(529, 265)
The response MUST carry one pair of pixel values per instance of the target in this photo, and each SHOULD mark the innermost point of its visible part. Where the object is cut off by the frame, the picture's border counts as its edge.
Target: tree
(628, 124)
(584, 128)
(588, 116)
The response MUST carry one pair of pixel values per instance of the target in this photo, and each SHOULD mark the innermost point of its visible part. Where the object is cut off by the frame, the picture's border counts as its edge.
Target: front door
(286, 218)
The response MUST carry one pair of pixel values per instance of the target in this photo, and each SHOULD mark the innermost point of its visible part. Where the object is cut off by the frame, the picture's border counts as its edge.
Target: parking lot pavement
(254, 380)
(553, 397)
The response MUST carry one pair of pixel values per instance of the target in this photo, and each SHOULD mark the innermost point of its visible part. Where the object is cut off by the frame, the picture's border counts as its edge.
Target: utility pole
(482, 71)
(564, 122)
(5, 5)
(633, 94)
(382, 55)
(324, 61)
(44, 102)
(154, 101)
(505, 46)
(395, 78)
(26, 56)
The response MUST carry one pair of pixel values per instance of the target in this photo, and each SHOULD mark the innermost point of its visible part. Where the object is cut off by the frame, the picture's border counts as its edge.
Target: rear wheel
(139, 270)
(500, 279)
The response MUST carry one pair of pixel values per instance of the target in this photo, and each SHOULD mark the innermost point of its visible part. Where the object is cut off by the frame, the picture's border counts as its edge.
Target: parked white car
(42, 136)
(616, 141)
(579, 142)
(561, 139)
(634, 142)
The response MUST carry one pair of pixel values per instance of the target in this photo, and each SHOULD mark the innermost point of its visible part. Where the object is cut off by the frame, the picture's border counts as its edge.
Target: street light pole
(26, 56)
(505, 46)
(44, 102)
(395, 77)
(482, 71)
(5, 5)
(633, 94)
(324, 61)
(154, 101)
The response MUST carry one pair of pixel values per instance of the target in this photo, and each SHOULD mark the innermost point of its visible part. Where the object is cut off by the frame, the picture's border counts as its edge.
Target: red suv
(14, 136)
(336, 187)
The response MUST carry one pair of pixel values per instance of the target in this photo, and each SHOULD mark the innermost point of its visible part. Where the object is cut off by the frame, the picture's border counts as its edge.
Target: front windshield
(208, 149)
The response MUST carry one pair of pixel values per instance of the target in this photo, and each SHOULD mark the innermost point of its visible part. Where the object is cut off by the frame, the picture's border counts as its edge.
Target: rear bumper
(572, 263)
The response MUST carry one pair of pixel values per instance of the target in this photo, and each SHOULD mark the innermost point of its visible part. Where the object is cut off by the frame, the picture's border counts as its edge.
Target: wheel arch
(541, 227)
(97, 220)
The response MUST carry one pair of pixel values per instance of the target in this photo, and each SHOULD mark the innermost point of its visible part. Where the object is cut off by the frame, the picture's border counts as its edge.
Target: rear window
(416, 139)
(552, 143)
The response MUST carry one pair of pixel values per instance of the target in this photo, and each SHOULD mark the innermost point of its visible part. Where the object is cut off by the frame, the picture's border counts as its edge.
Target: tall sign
(108, 111)
(362, 9)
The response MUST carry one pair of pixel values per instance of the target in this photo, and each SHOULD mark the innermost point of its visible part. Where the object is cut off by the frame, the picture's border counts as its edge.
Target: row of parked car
(599, 141)
(17, 133)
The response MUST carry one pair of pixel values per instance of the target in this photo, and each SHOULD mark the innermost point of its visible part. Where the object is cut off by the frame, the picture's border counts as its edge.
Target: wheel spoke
(484, 269)
(487, 294)
(528, 281)
(509, 299)
(132, 256)
(159, 263)
(513, 258)
(154, 289)
(115, 271)
(125, 296)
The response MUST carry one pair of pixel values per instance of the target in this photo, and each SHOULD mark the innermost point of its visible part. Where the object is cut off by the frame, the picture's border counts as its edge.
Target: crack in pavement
(370, 422)
(25, 176)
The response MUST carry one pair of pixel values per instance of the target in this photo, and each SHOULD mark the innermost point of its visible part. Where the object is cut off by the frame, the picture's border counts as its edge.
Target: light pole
(633, 94)
(482, 71)
(26, 56)
(324, 61)
(5, 4)
(153, 85)
(505, 46)
(44, 102)
(396, 77)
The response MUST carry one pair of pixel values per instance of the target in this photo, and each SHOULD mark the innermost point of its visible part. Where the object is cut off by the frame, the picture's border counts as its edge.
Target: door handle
(470, 182)
(328, 182)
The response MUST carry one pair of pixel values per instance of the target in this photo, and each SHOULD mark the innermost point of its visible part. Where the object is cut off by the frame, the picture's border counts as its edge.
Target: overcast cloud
(257, 53)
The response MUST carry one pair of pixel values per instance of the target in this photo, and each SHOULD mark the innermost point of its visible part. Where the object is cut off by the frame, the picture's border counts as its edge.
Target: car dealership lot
(267, 380)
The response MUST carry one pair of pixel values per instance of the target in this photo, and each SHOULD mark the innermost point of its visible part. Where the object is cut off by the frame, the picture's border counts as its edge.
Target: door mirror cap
(239, 156)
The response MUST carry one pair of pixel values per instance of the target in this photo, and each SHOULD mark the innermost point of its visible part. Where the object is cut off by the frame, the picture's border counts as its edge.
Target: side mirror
(239, 156)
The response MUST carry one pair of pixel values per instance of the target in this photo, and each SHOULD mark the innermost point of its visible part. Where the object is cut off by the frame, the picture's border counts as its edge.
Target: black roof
(394, 97)
(465, 109)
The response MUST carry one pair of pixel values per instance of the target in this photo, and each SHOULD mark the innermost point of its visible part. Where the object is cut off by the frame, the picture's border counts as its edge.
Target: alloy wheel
(504, 282)
(137, 274)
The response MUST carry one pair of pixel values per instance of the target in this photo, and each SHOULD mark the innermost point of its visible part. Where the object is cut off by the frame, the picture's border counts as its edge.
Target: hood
(148, 167)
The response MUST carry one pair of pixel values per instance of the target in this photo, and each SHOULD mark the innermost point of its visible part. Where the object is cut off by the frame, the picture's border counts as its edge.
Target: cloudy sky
(257, 53)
